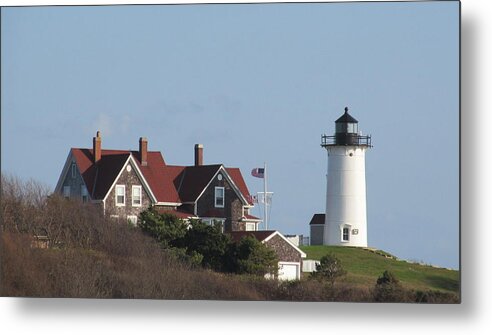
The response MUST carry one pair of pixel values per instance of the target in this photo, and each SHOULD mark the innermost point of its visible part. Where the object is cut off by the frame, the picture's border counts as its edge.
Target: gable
(100, 177)
(71, 177)
(193, 180)
(285, 251)
(228, 179)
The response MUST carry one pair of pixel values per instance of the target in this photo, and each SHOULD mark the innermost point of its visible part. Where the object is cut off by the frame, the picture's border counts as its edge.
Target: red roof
(168, 183)
(180, 214)
(237, 177)
(260, 235)
(99, 177)
(192, 180)
(251, 217)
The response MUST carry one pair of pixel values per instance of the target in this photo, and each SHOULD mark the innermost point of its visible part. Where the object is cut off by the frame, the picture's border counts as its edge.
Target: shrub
(207, 242)
(329, 269)
(389, 289)
(165, 228)
(250, 256)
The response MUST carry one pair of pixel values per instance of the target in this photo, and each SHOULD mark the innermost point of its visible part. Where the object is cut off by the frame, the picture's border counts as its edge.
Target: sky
(252, 83)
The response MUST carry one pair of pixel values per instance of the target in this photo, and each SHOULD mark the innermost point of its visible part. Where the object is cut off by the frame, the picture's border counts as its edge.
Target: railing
(346, 139)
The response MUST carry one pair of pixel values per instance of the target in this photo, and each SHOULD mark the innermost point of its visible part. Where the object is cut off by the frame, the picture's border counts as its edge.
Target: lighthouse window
(352, 128)
(345, 235)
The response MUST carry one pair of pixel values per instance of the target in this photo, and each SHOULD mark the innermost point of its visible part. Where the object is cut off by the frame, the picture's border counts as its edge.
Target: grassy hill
(365, 266)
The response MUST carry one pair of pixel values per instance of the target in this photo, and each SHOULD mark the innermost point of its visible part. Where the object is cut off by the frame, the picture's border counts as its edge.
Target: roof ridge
(121, 150)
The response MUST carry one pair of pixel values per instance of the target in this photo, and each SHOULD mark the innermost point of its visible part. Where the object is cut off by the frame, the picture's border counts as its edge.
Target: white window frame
(135, 187)
(116, 195)
(348, 234)
(132, 219)
(66, 191)
(214, 222)
(84, 193)
(250, 224)
(74, 171)
(217, 188)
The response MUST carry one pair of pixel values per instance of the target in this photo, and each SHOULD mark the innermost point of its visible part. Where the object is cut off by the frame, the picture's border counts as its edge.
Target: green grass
(365, 266)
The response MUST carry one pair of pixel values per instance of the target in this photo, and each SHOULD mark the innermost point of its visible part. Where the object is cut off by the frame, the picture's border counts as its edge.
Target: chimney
(198, 154)
(143, 150)
(96, 147)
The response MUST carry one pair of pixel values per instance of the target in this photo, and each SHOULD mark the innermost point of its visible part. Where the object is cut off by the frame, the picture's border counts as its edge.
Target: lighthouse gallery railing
(329, 140)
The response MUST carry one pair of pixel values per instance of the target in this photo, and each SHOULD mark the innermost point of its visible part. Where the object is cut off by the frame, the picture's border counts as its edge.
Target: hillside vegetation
(83, 254)
(365, 266)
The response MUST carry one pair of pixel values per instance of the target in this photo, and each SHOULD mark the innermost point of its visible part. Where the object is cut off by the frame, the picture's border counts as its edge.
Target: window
(352, 128)
(120, 195)
(136, 195)
(250, 226)
(74, 170)
(84, 193)
(219, 197)
(132, 219)
(66, 191)
(345, 234)
(218, 223)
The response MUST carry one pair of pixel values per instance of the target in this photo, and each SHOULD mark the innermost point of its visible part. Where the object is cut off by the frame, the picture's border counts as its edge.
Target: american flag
(258, 173)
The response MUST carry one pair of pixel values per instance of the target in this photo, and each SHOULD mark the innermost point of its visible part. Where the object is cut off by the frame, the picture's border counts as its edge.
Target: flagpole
(265, 194)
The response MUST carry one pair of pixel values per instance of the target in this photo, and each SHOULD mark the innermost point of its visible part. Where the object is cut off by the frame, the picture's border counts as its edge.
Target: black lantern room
(346, 133)
(346, 129)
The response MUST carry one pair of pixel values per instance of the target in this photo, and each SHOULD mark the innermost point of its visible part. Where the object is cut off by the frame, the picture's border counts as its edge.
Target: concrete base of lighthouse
(345, 218)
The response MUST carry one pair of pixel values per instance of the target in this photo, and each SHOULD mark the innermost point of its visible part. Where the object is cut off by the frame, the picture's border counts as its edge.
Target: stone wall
(233, 207)
(127, 178)
(284, 251)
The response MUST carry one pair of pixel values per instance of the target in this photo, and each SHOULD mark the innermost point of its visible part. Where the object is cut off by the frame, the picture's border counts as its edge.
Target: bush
(250, 256)
(205, 241)
(165, 228)
(389, 289)
(329, 269)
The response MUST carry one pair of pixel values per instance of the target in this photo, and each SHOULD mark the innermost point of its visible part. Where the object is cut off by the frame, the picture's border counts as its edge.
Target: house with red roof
(122, 183)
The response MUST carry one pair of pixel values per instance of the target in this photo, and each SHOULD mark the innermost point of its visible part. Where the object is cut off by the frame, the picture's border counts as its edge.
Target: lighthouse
(345, 217)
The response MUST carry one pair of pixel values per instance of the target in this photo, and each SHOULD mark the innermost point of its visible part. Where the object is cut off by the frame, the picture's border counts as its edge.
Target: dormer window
(120, 195)
(219, 197)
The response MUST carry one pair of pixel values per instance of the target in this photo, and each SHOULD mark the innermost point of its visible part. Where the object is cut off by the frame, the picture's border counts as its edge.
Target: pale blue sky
(253, 83)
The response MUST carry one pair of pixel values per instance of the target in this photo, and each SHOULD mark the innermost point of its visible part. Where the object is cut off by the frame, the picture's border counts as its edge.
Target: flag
(258, 173)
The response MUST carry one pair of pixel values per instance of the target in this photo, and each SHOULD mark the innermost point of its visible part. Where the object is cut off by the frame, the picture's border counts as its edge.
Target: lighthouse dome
(346, 118)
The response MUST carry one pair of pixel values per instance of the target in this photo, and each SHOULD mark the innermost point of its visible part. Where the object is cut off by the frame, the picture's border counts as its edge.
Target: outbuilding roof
(318, 219)
(260, 235)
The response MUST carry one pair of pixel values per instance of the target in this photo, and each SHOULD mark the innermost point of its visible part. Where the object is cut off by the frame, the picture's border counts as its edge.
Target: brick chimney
(143, 150)
(198, 154)
(96, 147)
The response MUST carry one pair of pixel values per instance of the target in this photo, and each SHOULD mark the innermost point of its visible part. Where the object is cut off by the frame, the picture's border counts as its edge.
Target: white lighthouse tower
(345, 218)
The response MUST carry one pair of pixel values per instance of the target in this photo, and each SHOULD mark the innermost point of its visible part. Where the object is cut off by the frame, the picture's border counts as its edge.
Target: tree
(389, 289)
(166, 228)
(329, 269)
(207, 241)
(250, 256)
